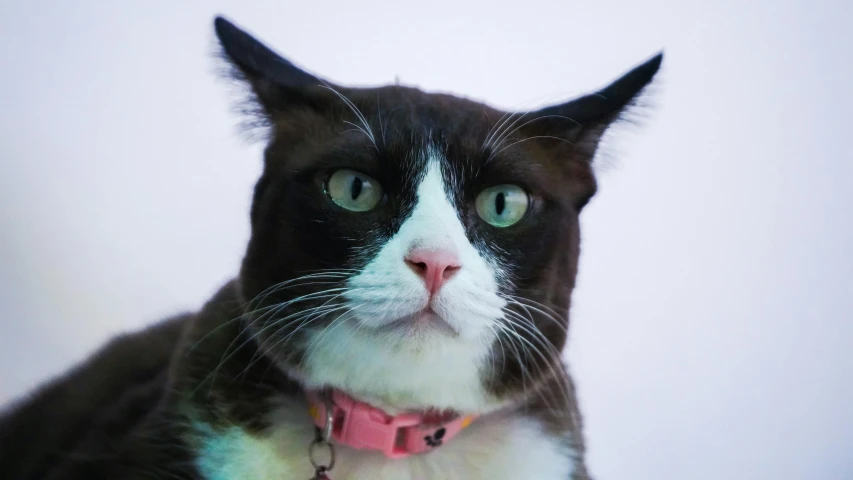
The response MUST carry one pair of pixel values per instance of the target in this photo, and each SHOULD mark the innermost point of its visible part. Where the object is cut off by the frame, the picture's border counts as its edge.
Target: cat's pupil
(500, 203)
(355, 189)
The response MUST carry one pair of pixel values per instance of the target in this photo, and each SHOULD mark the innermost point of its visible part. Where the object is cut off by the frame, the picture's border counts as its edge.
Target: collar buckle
(362, 426)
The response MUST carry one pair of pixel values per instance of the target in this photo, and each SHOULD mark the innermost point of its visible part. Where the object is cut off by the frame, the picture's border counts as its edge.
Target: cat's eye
(502, 205)
(353, 190)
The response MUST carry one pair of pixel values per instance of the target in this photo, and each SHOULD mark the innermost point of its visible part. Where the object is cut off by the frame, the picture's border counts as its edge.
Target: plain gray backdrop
(711, 333)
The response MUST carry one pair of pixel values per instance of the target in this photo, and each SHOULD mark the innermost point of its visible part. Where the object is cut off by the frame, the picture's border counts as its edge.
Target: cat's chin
(416, 364)
(425, 322)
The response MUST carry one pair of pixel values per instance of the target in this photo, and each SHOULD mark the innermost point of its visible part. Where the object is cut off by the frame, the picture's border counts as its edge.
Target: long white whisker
(532, 348)
(493, 155)
(301, 314)
(513, 335)
(504, 138)
(228, 354)
(367, 131)
(328, 330)
(305, 317)
(499, 341)
(494, 129)
(550, 315)
(264, 294)
(505, 129)
(552, 359)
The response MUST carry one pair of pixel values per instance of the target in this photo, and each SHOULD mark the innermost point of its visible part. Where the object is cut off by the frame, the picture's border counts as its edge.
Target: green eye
(353, 190)
(502, 205)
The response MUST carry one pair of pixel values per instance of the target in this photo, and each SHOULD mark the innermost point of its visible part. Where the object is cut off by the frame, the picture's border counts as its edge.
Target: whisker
(553, 316)
(329, 274)
(553, 359)
(304, 323)
(497, 145)
(513, 335)
(493, 155)
(228, 354)
(328, 330)
(505, 129)
(499, 341)
(530, 348)
(356, 111)
(309, 316)
(300, 316)
(492, 131)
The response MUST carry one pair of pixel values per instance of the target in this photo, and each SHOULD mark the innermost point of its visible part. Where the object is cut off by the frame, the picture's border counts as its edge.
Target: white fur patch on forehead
(434, 222)
(429, 369)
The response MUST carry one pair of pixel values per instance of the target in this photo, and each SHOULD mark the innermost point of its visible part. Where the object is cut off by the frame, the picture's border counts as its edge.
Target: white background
(711, 333)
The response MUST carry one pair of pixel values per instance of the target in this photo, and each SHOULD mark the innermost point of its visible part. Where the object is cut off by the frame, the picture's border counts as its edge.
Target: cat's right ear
(278, 85)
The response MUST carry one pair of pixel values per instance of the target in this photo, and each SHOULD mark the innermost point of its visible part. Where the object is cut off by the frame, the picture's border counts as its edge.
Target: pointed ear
(584, 120)
(277, 84)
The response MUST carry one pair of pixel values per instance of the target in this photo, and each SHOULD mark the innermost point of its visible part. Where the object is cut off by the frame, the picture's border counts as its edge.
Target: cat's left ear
(584, 120)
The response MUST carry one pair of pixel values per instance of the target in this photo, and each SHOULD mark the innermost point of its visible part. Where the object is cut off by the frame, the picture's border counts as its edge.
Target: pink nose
(434, 266)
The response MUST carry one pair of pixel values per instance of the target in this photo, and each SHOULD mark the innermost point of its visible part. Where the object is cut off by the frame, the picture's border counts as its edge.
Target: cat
(412, 256)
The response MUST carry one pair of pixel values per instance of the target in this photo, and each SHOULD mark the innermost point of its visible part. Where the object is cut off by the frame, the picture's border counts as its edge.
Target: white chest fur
(500, 446)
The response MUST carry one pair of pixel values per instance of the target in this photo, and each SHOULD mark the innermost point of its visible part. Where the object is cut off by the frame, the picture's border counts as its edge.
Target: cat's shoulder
(105, 396)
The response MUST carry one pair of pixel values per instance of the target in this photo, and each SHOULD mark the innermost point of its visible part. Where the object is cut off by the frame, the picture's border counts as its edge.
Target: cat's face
(416, 250)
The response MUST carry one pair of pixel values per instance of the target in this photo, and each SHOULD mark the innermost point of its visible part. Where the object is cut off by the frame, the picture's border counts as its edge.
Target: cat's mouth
(422, 322)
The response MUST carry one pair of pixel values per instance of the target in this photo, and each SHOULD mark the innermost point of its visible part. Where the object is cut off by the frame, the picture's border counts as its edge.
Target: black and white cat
(414, 252)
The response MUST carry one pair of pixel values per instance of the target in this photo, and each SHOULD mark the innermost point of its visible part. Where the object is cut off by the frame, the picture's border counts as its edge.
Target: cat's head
(416, 250)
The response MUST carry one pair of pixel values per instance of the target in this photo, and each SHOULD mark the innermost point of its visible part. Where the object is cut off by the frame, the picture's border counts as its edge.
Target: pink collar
(359, 425)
